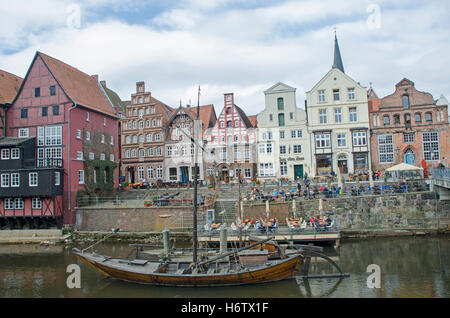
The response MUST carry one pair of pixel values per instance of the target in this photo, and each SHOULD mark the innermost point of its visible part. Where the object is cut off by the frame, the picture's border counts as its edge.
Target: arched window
(141, 138)
(407, 119)
(149, 137)
(418, 118)
(128, 140)
(428, 117)
(280, 102)
(405, 101)
(396, 119)
(134, 139)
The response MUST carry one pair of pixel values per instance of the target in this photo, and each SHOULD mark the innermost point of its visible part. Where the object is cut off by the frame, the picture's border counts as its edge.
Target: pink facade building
(75, 127)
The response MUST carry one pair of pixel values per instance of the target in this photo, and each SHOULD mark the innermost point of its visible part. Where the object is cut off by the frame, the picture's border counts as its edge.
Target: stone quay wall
(407, 210)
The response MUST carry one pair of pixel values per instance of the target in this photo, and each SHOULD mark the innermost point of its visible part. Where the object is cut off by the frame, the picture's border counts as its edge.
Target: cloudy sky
(239, 46)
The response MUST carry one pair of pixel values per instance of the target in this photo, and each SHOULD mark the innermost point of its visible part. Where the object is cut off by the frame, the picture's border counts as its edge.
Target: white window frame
(359, 138)
(386, 149)
(341, 140)
(5, 154)
(353, 114)
(36, 203)
(323, 116)
(15, 180)
(296, 149)
(23, 132)
(323, 141)
(5, 180)
(80, 176)
(33, 179)
(15, 153)
(430, 146)
(57, 178)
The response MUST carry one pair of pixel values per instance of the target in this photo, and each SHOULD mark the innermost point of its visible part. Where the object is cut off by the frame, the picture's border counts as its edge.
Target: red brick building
(408, 126)
(75, 126)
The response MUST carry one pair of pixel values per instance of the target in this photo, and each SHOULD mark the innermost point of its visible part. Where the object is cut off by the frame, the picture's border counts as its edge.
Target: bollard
(166, 242)
(223, 241)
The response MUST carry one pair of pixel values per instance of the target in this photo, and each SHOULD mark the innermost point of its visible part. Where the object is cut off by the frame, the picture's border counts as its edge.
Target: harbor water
(408, 267)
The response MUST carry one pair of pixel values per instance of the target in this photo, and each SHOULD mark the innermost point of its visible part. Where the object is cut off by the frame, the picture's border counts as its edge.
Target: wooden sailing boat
(224, 270)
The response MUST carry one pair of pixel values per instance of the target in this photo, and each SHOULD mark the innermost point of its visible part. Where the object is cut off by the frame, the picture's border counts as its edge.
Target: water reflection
(410, 267)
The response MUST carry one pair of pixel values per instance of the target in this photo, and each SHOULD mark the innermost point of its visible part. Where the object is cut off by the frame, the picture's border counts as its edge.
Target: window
(386, 120)
(150, 172)
(396, 119)
(150, 152)
(418, 118)
(247, 173)
(141, 113)
(15, 153)
(37, 92)
(222, 124)
(321, 96)
(127, 154)
(157, 137)
(405, 101)
(385, 149)
(5, 154)
(15, 180)
(141, 172)
(80, 176)
(23, 132)
(283, 167)
(112, 141)
(135, 139)
(149, 137)
(79, 155)
(262, 148)
(57, 178)
(52, 90)
(297, 149)
(169, 151)
(44, 111)
(36, 203)
(269, 148)
(52, 135)
(336, 96)
(341, 140)
(104, 122)
(141, 124)
(280, 103)
(281, 119)
(141, 138)
(236, 123)
(88, 135)
(353, 114)
(9, 204)
(323, 116)
(55, 110)
(291, 115)
(159, 172)
(78, 133)
(33, 179)
(87, 116)
(337, 115)
(103, 139)
(266, 169)
(428, 117)
(359, 138)
(223, 153)
(408, 137)
(102, 156)
(282, 135)
(271, 117)
(323, 141)
(91, 156)
(147, 123)
(229, 124)
(282, 150)
(18, 203)
(407, 119)
(351, 93)
(5, 180)
(430, 146)
(236, 138)
(24, 113)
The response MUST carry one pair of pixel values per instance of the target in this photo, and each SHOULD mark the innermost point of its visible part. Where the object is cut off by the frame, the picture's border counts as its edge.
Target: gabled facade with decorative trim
(231, 144)
(338, 121)
(408, 126)
(283, 143)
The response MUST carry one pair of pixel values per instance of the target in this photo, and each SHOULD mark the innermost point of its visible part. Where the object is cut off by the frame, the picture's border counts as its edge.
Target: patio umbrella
(294, 208)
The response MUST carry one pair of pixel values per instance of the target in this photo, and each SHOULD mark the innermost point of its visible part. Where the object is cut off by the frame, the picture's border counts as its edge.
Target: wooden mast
(195, 238)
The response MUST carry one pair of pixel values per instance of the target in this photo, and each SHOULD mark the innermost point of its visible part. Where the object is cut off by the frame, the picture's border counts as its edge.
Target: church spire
(337, 55)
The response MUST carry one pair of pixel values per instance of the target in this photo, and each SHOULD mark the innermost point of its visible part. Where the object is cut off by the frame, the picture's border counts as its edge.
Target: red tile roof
(9, 86)
(253, 120)
(207, 115)
(80, 87)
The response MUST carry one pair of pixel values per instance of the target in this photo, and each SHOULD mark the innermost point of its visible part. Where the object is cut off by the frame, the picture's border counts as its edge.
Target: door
(342, 165)
(184, 174)
(410, 157)
(298, 172)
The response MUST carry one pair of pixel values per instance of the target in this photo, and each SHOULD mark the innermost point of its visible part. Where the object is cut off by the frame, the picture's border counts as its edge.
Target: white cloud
(226, 49)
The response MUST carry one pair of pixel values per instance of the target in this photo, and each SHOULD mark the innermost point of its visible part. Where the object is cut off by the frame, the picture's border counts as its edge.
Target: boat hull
(280, 270)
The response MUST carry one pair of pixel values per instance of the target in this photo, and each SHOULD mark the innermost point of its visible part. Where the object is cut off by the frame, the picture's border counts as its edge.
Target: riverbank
(53, 237)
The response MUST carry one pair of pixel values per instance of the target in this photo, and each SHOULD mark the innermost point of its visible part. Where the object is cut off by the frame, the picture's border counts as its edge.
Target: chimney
(103, 83)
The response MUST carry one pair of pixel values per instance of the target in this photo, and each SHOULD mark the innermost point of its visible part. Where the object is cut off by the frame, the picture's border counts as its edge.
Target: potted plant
(126, 185)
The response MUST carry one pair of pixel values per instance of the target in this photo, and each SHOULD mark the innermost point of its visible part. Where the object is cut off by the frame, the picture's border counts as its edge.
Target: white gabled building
(338, 121)
(283, 144)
